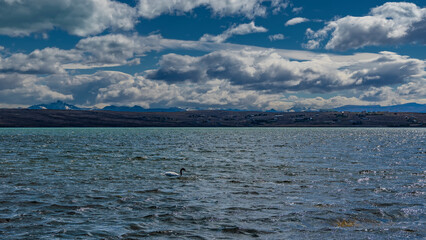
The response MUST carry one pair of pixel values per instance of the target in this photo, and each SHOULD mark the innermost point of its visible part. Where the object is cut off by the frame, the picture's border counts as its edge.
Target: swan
(175, 174)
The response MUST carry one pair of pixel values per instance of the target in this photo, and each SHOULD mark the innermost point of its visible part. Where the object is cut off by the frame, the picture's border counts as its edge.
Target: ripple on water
(242, 183)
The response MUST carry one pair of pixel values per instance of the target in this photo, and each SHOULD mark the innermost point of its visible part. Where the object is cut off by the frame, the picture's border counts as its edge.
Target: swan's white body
(172, 174)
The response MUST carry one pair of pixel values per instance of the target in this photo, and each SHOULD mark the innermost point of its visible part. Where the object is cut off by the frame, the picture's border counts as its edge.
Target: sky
(212, 54)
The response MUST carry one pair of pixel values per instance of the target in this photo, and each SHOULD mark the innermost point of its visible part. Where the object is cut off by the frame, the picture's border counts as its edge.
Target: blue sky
(212, 54)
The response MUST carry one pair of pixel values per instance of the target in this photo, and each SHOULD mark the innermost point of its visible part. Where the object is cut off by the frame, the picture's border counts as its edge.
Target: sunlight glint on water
(271, 183)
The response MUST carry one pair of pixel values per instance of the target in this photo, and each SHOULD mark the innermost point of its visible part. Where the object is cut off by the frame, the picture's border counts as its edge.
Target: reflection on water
(271, 183)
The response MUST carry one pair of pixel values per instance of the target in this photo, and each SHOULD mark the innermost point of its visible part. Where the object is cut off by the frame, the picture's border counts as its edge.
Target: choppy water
(270, 183)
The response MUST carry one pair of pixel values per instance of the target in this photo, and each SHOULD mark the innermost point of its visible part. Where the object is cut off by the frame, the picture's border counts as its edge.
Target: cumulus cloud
(46, 61)
(94, 52)
(269, 71)
(77, 17)
(242, 29)
(214, 86)
(213, 94)
(80, 89)
(389, 24)
(295, 21)
(136, 90)
(276, 37)
(121, 49)
(115, 48)
(382, 94)
(318, 103)
(388, 69)
(237, 77)
(415, 90)
(112, 50)
(20, 89)
(248, 8)
(113, 87)
(124, 49)
(222, 94)
(409, 92)
(225, 93)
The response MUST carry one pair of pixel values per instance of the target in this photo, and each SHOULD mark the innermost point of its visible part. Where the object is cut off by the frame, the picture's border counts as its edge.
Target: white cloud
(213, 94)
(279, 5)
(124, 49)
(46, 61)
(113, 50)
(389, 24)
(415, 90)
(318, 103)
(18, 89)
(311, 44)
(297, 9)
(276, 37)
(295, 21)
(222, 94)
(119, 47)
(241, 29)
(269, 71)
(96, 52)
(77, 17)
(227, 76)
(136, 90)
(215, 88)
(248, 8)
(382, 94)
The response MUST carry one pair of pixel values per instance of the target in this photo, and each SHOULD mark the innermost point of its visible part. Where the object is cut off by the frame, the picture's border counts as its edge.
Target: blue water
(240, 183)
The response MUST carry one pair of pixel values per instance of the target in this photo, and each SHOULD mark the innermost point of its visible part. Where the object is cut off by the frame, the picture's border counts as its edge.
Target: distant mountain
(58, 105)
(301, 109)
(408, 107)
(141, 109)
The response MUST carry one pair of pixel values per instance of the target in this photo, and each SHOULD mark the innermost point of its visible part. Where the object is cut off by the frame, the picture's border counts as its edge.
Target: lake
(240, 183)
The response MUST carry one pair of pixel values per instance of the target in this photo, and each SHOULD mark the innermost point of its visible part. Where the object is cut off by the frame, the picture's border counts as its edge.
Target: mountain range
(58, 105)
(141, 109)
(408, 107)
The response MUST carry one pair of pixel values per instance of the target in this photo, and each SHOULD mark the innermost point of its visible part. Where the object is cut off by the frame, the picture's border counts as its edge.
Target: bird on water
(175, 174)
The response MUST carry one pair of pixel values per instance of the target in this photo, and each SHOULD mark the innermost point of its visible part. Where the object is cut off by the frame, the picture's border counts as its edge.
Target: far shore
(214, 118)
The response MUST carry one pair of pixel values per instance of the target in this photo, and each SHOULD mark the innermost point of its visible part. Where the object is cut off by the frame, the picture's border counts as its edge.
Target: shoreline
(10, 118)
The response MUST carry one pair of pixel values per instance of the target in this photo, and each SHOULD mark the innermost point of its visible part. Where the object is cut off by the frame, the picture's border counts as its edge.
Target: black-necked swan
(175, 174)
